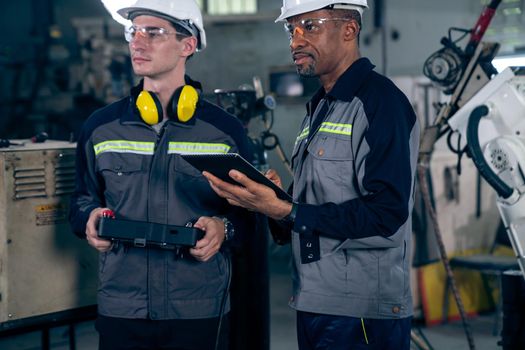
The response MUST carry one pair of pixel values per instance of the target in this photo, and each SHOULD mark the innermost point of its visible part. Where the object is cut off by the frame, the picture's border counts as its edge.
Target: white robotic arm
(492, 127)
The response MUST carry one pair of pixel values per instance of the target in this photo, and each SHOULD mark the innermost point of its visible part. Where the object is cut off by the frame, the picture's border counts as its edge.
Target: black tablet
(220, 164)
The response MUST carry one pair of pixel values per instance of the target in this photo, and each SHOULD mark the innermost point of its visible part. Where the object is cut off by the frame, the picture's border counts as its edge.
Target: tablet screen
(220, 164)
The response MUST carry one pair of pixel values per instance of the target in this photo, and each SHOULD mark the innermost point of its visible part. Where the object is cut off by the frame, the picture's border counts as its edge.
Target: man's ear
(189, 46)
(351, 30)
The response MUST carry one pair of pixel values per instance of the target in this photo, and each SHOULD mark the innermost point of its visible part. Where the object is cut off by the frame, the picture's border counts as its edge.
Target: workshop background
(60, 60)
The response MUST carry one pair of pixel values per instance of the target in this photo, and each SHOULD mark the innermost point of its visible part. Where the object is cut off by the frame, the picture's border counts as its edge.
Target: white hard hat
(183, 12)
(296, 7)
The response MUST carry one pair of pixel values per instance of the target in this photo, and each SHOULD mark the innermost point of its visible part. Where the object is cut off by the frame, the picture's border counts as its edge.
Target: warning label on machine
(50, 214)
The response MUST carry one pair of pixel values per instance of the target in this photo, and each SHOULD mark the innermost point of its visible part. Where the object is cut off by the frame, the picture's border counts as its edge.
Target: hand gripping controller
(144, 234)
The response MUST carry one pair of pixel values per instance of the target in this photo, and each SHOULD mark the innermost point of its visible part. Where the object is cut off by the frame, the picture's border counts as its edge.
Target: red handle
(108, 213)
(481, 25)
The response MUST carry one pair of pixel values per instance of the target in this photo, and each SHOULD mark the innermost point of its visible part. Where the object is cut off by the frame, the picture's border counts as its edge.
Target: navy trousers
(329, 332)
(144, 334)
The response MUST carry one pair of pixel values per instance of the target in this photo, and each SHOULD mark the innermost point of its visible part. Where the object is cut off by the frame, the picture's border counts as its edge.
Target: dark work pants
(138, 334)
(328, 332)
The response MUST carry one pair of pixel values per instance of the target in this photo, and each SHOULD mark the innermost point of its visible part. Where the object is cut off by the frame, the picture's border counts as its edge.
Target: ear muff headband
(149, 107)
(184, 102)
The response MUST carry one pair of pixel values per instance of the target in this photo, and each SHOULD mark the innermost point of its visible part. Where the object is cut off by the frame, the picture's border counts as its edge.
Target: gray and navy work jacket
(354, 167)
(125, 165)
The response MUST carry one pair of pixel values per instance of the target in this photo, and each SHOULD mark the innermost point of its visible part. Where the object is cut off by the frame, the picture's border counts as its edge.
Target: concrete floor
(446, 337)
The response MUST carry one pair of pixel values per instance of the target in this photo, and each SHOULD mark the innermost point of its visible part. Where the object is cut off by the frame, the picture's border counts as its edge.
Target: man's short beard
(307, 72)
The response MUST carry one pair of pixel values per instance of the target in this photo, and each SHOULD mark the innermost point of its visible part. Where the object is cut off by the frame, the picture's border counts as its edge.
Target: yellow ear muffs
(149, 107)
(184, 103)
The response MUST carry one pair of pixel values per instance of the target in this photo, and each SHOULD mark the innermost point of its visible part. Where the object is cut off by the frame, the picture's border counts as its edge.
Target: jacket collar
(132, 114)
(346, 85)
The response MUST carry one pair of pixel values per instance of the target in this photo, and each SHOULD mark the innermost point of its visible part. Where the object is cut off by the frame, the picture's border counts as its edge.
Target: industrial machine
(492, 128)
(486, 113)
(46, 272)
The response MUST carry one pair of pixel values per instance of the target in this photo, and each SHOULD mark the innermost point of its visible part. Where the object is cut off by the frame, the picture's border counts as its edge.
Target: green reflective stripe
(124, 146)
(303, 134)
(364, 330)
(336, 128)
(197, 148)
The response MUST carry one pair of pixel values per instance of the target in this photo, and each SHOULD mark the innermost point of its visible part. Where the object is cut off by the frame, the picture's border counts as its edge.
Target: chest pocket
(181, 166)
(123, 175)
(192, 187)
(331, 167)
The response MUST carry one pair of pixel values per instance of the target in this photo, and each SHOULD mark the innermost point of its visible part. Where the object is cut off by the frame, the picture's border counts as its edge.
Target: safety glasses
(308, 26)
(151, 34)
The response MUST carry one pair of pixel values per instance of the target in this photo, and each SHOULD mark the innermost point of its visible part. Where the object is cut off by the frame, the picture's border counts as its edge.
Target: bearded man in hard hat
(354, 164)
(129, 161)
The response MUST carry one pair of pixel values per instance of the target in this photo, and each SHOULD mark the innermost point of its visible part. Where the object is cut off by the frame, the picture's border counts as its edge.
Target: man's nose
(139, 40)
(298, 30)
(297, 38)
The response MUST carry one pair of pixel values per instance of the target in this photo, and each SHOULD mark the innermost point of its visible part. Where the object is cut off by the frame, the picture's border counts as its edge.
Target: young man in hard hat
(354, 166)
(129, 160)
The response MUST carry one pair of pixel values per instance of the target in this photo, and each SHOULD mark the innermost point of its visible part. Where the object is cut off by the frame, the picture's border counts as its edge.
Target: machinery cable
(456, 150)
(476, 153)
(270, 141)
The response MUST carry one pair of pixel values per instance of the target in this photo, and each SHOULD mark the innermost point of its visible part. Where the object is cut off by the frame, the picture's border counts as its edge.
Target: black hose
(502, 189)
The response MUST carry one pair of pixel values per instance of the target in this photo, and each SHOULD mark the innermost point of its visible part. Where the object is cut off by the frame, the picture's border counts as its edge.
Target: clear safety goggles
(151, 34)
(308, 26)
